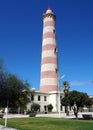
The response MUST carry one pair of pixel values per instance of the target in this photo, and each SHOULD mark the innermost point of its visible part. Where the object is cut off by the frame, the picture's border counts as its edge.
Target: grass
(49, 124)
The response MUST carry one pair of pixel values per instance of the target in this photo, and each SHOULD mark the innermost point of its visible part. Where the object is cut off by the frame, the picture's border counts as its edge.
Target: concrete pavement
(5, 128)
(63, 115)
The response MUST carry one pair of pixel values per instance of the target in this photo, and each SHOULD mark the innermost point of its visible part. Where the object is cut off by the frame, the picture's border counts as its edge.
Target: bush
(50, 107)
(35, 107)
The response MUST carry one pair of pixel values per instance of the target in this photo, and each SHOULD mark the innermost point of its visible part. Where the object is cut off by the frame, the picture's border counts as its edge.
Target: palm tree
(66, 90)
(66, 86)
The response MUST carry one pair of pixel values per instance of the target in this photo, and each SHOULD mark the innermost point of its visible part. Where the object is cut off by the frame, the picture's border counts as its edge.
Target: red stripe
(49, 23)
(48, 47)
(48, 74)
(49, 35)
(48, 88)
(47, 60)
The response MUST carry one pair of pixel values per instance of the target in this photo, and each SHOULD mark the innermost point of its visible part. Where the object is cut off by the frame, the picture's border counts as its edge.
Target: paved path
(4, 128)
(63, 115)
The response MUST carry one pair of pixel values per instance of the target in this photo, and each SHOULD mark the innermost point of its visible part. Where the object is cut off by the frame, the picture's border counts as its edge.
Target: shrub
(35, 107)
(50, 107)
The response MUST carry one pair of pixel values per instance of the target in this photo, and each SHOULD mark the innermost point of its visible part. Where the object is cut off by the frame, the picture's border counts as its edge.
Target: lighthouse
(49, 59)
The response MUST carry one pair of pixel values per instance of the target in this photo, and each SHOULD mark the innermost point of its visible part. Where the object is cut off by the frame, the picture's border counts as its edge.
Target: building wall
(53, 100)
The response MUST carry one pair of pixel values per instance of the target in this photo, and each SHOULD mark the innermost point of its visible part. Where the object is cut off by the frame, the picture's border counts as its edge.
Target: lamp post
(6, 112)
(32, 95)
(59, 78)
(32, 92)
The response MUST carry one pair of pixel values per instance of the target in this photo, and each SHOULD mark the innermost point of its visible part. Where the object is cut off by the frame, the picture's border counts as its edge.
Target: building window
(32, 97)
(54, 30)
(45, 98)
(55, 50)
(38, 97)
(56, 70)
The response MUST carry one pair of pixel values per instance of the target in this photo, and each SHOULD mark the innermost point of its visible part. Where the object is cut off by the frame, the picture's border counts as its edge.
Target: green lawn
(49, 124)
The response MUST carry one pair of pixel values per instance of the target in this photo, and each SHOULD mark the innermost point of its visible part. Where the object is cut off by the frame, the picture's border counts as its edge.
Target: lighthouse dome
(49, 10)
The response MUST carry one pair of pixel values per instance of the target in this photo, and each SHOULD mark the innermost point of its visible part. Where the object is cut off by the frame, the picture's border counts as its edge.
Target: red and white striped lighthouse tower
(49, 64)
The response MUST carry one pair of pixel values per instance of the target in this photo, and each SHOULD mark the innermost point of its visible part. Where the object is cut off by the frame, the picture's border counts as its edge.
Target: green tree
(3, 88)
(20, 90)
(11, 91)
(77, 100)
(35, 107)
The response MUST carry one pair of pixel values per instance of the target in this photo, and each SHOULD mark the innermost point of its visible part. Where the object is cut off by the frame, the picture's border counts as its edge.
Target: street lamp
(32, 92)
(6, 112)
(59, 78)
(32, 95)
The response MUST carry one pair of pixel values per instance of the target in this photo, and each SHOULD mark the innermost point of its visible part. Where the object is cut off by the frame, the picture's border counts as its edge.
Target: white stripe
(48, 67)
(49, 41)
(48, 29)
(49, 81)
(48, 54)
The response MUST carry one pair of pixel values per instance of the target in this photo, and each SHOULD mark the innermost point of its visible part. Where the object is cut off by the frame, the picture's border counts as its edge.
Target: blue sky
(21, 39)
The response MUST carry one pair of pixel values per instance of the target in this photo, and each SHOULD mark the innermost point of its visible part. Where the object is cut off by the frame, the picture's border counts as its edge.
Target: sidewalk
(63, 115)
(5, 128)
